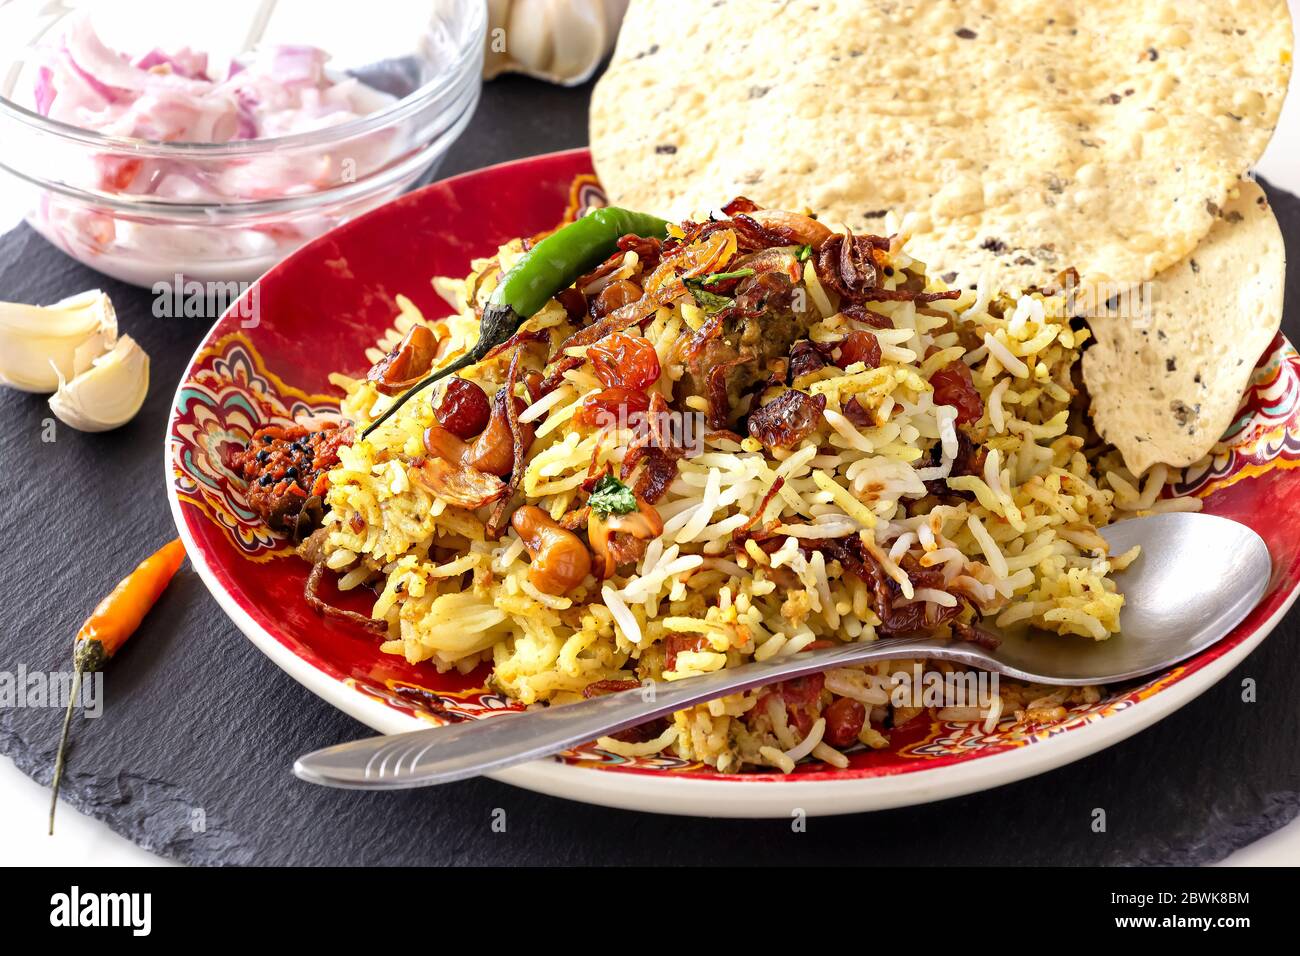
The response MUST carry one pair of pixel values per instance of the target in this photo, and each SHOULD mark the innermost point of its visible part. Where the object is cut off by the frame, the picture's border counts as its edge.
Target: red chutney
(285, 467)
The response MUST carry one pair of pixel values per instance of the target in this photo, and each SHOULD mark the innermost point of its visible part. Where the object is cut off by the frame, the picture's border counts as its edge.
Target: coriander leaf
(710, 302)
(611, 496)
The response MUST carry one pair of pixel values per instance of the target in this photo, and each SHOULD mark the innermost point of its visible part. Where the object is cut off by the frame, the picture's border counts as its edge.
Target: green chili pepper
(553, 264)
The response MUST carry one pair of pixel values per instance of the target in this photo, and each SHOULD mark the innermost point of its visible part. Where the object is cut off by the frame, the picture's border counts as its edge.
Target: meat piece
(788, 419)
(718, 390)
(761, 326)
(285, 467)
(769, 296)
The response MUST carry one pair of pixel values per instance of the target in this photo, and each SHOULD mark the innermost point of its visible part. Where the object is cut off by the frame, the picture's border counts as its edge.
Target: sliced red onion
(44, 91)
(298, 64)
(168, 97)
(186, 63)
(88, 53)
(105, 92)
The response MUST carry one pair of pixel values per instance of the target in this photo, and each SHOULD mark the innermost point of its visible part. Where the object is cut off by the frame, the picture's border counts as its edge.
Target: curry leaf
(713, 277)
(710, 302)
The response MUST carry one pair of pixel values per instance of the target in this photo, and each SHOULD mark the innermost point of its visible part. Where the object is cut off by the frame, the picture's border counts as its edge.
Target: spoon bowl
(1197, 577)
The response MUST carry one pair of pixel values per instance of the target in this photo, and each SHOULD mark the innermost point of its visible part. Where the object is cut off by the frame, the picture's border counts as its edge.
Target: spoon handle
(424, 758)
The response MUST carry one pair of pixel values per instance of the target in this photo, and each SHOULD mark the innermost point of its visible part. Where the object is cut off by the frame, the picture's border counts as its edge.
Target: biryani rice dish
(764, 434)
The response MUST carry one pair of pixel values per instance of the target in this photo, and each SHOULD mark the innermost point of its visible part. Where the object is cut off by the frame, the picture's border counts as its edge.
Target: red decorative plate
(268, 360)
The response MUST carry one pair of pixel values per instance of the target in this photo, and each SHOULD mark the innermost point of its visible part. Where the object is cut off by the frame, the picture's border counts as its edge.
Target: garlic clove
(42, 345)
(562, 41)
(580, 40)
(109, 393)
(530, 35)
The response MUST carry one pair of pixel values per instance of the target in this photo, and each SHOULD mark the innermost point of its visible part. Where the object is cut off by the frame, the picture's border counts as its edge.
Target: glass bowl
(253, 201)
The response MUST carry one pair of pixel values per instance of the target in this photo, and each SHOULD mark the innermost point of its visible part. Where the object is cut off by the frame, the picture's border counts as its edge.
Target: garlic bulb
(558, 40)
(109, 393)
(43, 345)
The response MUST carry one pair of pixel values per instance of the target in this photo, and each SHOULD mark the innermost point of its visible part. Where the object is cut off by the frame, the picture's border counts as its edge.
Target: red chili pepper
(114, 620)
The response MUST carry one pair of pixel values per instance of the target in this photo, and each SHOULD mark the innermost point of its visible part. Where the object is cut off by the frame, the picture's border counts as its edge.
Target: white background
(80, 840)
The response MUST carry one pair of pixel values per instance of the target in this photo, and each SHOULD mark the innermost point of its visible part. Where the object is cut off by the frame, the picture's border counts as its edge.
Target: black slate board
(198, 725)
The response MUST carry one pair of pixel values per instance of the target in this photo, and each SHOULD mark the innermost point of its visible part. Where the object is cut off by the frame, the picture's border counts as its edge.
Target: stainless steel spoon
(1197, 578)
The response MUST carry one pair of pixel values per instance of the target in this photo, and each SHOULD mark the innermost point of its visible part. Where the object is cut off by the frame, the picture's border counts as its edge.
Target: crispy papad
(1167, 371)
(1028, 136)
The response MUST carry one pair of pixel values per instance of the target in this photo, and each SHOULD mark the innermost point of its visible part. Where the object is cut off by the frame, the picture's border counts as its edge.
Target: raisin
(464, 409)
